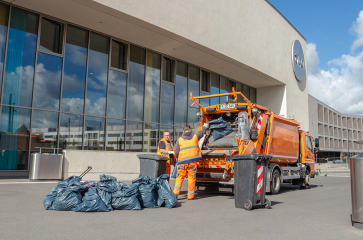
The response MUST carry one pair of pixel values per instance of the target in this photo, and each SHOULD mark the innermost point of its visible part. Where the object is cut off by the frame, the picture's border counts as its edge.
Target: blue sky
(324, 22)
(334, 37)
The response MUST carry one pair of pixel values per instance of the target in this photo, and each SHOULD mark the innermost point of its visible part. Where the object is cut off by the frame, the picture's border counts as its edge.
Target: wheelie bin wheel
(248, 205)
(267, 203)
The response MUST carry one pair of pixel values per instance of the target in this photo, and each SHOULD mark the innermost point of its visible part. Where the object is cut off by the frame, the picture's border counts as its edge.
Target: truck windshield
(308, 143)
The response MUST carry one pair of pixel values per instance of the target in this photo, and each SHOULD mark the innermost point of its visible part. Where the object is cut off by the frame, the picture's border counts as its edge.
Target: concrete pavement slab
(320, 212)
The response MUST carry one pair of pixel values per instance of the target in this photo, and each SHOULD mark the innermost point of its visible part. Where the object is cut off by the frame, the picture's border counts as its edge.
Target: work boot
(190, 198)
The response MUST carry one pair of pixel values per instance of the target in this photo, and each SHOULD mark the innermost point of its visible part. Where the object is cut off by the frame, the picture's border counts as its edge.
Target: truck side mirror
(316, 142)
(316, 150)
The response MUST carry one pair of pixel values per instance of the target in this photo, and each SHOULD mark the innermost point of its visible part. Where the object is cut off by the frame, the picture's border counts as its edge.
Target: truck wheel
(306, 180)
(267, 203)
(248, 204)
(275, 182)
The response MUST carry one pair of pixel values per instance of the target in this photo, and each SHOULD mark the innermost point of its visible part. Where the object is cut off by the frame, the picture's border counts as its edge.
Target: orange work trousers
(183, 169)
(167, 167)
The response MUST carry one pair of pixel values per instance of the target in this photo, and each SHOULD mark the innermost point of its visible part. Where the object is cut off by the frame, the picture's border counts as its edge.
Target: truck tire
(306, 184)
(275, 182)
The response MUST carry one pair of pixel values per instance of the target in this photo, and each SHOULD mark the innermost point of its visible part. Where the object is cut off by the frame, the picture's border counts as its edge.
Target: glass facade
(71, 88)
(74, 72)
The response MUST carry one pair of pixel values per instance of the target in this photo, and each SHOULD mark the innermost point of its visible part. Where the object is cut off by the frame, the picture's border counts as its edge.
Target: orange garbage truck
(256, 129)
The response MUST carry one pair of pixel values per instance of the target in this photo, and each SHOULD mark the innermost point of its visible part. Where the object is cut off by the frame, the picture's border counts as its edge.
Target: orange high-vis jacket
(189, 150)
(169, 147)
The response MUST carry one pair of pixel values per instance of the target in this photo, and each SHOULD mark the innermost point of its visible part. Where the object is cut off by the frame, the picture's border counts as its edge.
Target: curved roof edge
(285, 18)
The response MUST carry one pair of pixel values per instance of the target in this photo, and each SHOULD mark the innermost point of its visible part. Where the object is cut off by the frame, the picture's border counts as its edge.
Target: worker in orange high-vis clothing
(166, 149)
(188, 153)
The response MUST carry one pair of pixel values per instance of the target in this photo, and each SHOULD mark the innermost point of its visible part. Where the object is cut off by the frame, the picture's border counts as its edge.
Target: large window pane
(166, 128)
(214, 88)
(152, 87)
(178, 133)
(181, 93)
(18, 85)
(168, 70)
(70, 132)
(135, 96)
(134, 138)
(118, 55)
(97, 75)
(253, 95)
(94, 133)
(224, 89)
(117, 94)
(205, 101)
(231, 84)
(246, 91)
(4, 14)
(44, 131)
(51, 36)
(47, 82)
(151, 137)
(239, 88)
(115, 140)
(167, 104)
(74, 76)
(194, 89)
(14, 138)
(205, 82)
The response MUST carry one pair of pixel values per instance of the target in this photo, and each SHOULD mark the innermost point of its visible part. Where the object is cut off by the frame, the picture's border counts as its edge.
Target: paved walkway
(320, 212)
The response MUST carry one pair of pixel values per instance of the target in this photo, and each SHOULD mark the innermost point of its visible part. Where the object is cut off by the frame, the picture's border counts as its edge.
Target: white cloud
(357, 29)
(340, 87)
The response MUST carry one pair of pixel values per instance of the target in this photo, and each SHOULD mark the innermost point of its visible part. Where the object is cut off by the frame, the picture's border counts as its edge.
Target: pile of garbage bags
(219, 128)
(108, 194)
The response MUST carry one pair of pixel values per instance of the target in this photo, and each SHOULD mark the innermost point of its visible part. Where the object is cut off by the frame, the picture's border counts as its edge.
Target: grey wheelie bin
(250, 175)
(152, 165)
(356, 182)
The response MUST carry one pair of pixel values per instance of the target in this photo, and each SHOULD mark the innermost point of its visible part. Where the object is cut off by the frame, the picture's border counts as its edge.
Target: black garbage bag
(91, 201)
(69, 197)
(51, 196)
(126, 198)
(148, 191)
(219, 128)
(166, 197)
(105, 187)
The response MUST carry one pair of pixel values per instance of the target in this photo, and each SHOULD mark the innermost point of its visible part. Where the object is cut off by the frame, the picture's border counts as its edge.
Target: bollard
(356, 182)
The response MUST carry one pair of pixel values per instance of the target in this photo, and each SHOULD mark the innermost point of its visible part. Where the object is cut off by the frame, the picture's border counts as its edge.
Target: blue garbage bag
(105, 187)
(51, 196)
(148, 191)
(49, 199)
(91, 201)
(165, 194)
(127, 198)
(69, 197)
(174, 174)
(219, 128)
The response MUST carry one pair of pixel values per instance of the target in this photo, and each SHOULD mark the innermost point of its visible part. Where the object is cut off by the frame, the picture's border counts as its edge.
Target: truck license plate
(227, 106)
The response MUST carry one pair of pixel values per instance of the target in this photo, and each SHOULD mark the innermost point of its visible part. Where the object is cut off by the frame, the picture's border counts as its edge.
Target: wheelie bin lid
(254, 156)
(152, 157)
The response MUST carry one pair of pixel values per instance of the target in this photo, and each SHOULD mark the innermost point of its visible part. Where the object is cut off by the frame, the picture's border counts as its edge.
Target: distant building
(333, 128)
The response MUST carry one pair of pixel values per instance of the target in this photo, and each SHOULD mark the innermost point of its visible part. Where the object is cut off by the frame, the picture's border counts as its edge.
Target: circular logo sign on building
(298, 60)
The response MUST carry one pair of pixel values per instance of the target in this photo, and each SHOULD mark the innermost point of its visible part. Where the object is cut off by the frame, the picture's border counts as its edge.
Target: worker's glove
(171, 152)
(206, 125)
